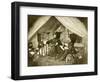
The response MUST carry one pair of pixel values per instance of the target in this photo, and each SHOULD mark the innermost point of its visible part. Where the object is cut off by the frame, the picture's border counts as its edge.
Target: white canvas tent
(71, 23)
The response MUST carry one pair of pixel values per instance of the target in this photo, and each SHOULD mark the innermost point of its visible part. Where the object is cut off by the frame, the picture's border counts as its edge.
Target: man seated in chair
(69, 48)
(56, 43)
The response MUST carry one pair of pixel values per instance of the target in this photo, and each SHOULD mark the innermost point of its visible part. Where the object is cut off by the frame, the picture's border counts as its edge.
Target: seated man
(69, 47)
(55, 45)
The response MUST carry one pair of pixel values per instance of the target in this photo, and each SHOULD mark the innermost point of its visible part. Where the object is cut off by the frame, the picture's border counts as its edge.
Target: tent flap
(38, 24)
(73, 24)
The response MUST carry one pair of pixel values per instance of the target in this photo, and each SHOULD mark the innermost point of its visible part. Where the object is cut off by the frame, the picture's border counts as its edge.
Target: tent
(71, 23)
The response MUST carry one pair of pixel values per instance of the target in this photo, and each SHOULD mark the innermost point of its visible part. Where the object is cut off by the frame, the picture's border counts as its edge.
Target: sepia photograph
(57, 40)
(53, 40)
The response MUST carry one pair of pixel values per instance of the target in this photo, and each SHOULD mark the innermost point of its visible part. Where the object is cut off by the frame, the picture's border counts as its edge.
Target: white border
(25, 70)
